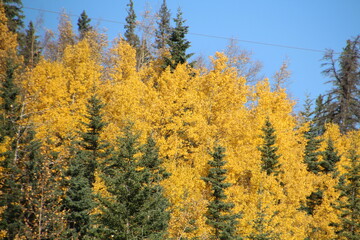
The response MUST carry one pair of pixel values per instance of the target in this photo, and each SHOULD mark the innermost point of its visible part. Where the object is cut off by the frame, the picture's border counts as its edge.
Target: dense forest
(132, 140)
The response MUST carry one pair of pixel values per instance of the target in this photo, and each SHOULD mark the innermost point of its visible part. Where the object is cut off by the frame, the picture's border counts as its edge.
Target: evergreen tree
(79, 200)
(348, 203)
(14, 14)
(130, 26)
(330, 158)
(30, 47)
(178, 44)
(312, 152)
(10, 186)
(219, 215)
(320, 117)
(343, 107)
(260, 225)
(163, 32)
(136, 207)
(269, 158)
(91, 144)
(312, 201)
(84, 24)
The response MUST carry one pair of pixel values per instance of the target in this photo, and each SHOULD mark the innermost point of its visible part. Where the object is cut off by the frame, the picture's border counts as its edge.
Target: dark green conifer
(312, 201)
(312, 153)
(178, 44)
(130, 26)
(136, 207)
(10, 185)
(30, 47)
(270, 160)
(14, 14)
(348, 203)
(91, 144)
(330, 158)
(163, 32)
(79, 200)
(320, 117)
(219, 215)
(84, 24)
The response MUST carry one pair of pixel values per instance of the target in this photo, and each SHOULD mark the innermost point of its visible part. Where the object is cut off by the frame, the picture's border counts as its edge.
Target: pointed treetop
(269, 157)
(84, 24)
(178, 44)
(164, 29)
(130, 26)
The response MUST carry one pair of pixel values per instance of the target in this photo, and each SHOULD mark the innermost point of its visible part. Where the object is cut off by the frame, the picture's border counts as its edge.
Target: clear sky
(311, 24)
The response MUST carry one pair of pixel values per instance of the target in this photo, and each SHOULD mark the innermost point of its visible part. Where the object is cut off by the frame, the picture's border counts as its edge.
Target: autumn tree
(178, 44)
(83, 24)
(30, 47)
(269, 157)
(343, 106)
(55, 48)
(348, 203)
(162, 33)
(219, 216)
(135, 207)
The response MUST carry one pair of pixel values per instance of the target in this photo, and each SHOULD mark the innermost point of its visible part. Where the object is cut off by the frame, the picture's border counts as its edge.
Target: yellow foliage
(8, 39)
(186, 113)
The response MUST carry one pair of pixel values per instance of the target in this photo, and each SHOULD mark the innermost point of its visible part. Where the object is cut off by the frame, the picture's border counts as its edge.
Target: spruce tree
(79, 200)
(162, 34)
(348, 203)
(91, 144)
(136, 207)
(84, 24)
(178, 44)
(312, 153)
(30, 47)
(320, 117)
(219, 216)
(330, 158)
(130, 26)
(269, 158)
(14, 14)
(10, 185)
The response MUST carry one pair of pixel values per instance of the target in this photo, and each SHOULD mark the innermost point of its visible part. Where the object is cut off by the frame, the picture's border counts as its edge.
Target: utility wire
(201, 35)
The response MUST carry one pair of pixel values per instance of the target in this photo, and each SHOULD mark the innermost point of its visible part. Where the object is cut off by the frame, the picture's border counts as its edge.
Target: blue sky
(319, 24)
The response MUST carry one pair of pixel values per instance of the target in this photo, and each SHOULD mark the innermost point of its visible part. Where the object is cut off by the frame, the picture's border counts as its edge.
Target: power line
(202, 35)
